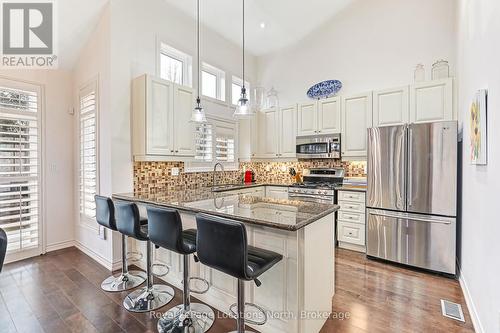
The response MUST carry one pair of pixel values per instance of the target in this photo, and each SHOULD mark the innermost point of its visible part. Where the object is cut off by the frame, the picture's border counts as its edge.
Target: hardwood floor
(60, 292)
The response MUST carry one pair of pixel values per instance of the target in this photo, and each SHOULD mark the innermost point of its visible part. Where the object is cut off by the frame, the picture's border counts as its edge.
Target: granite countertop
(347, 187)
(282, 214)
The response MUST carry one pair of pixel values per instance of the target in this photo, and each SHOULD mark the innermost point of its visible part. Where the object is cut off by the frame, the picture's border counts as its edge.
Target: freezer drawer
(417, 240)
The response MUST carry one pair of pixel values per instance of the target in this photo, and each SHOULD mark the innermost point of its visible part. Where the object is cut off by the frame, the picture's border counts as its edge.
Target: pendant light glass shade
(198, 113)
(243, 107)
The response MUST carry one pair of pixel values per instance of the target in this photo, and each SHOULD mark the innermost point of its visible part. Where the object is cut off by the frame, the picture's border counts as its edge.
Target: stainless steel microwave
(318, 146)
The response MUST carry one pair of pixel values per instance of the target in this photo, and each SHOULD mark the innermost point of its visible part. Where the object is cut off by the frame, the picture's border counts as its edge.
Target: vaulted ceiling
(285, 21)
(76, 19)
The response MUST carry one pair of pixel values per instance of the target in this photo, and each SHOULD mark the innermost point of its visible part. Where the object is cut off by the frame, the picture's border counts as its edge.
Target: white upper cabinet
(329, 116)
(268, 130)
(431, 101)
(356, 118)
(319, 117)
(307, 115)
(157, 129)
(287, 132)
(277, 132)
(159, 98)
(391, 106)
(183, 127)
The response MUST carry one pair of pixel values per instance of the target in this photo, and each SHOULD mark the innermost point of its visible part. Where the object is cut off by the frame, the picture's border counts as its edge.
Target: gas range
(318, 186)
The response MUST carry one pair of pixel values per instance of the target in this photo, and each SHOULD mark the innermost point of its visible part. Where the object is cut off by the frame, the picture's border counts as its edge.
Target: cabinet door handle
(176, 151)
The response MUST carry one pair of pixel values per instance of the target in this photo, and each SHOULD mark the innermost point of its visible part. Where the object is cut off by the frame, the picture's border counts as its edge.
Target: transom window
(175, 66)
(236, 86)
(213, 82)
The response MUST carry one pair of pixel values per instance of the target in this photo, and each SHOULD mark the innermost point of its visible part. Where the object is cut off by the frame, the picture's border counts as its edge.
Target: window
(215, 142)
(213, 82)
(175, 65)
(224, 143)
(20, 158)
(88, 150)
(236, 89)
(204, 142)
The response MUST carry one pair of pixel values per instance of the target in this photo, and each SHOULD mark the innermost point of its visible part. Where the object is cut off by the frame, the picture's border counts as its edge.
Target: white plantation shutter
(20, 193)
(204, 142)
(215, 141)
(225, 143)
(88, 150)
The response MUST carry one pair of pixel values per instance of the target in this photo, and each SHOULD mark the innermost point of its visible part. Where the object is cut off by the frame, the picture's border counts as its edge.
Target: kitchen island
(296, 293)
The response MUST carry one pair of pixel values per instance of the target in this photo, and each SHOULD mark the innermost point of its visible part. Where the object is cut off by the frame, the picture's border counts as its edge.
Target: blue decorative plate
(324, 89)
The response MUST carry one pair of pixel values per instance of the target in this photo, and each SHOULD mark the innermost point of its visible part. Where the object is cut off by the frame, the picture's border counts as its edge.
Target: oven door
(313, 150)
(311, 198)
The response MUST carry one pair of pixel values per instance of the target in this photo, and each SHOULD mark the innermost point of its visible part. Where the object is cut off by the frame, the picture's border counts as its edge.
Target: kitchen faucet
(213, 175)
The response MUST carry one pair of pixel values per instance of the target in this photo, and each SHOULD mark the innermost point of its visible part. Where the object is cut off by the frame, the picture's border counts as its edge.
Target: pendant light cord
(198, 44)
(243, 43)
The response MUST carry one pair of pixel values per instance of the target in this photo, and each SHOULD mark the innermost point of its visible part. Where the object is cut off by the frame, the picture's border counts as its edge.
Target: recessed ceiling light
(262, 25)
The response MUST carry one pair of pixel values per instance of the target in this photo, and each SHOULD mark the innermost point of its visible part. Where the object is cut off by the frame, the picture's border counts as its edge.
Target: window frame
(220, 89)
(195, 165)
(83, 91)
(184, 58)
(239, 82)
(17, 84)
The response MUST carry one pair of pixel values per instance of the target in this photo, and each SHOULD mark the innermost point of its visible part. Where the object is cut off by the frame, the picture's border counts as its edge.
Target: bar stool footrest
(134, 256)
(201, 290)
(164, 270)
(250, 316)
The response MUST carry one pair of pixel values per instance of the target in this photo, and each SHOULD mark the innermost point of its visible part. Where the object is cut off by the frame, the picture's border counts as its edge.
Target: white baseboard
(476, 322)
(94, 255)
(59, 245)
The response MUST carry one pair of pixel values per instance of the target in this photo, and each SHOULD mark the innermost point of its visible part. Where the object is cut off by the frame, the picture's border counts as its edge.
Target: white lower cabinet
(351, 220)
(277, 192)
(302, 282)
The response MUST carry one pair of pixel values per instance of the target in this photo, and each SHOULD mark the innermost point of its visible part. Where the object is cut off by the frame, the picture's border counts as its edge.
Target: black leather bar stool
(222, 245)
(105, 216)
(165, 230)
(153, 296)
(3, 247)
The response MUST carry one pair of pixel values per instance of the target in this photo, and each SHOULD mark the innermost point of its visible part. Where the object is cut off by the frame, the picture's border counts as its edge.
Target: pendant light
(243, 108)
(198, 114)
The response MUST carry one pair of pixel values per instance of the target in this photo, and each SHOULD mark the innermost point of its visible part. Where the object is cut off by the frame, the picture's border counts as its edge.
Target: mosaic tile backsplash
(155, 177)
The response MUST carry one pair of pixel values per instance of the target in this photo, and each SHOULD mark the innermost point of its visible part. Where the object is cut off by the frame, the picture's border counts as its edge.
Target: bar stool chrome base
(148, 299)
(122, 282)
(198, 319)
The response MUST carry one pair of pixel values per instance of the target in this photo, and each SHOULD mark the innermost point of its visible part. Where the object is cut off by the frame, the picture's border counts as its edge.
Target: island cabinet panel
(296, 293)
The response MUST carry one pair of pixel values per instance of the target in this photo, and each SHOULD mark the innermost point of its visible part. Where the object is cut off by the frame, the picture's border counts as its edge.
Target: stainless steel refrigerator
(412, 195)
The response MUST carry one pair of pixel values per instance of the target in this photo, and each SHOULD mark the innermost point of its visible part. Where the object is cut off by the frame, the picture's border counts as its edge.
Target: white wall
(368, 45)
(58, 157)
(94, 63)
(135, 32)
(479, 67)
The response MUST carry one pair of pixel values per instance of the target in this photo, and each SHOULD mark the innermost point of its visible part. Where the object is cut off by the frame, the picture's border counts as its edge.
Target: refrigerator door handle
(410, 165)
(429, 219)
